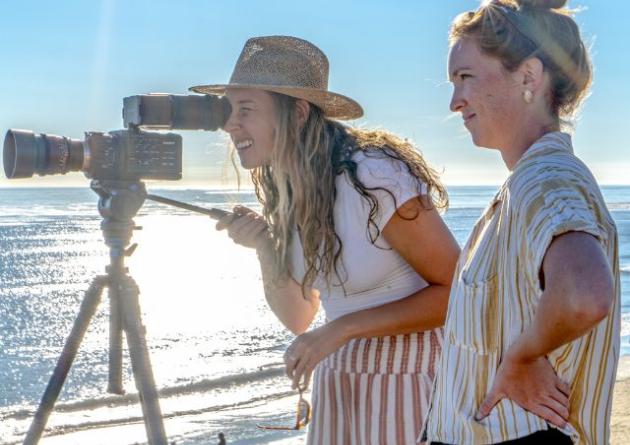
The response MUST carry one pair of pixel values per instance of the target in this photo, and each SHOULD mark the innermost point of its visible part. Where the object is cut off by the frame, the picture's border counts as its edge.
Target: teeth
(244, 144)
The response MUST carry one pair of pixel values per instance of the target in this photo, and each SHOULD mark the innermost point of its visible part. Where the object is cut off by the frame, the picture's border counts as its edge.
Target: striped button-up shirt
(495, 292)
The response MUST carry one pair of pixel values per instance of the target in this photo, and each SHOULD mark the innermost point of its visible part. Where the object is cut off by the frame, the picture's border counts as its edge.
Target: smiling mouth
(246, 143)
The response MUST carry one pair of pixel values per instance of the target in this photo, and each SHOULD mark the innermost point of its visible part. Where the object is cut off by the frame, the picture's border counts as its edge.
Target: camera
(131, 154)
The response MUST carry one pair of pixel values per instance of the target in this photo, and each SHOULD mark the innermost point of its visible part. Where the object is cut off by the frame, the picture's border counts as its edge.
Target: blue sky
(66, 66)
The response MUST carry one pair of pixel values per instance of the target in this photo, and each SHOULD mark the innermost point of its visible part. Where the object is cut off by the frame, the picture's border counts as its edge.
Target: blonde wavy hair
(297, 188)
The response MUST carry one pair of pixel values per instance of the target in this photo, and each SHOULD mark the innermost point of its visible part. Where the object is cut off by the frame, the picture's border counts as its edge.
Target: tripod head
(119, 201)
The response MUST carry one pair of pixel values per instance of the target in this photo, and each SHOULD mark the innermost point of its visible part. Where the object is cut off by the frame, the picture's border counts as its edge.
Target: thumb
(486, 406)
(241, 210)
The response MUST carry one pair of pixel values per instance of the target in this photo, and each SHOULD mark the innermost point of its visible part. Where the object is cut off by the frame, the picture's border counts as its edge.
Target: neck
(521, 140)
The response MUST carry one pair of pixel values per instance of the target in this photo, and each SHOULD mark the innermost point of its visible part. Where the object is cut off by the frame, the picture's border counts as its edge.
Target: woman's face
(252, 125)
(484, 93)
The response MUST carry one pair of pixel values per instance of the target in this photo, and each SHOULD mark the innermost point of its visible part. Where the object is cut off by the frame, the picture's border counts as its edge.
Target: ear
(531, 73)
(302, 108)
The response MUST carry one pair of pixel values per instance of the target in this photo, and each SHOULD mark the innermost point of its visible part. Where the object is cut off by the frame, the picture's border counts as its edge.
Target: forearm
(284, 296)
(418, 312)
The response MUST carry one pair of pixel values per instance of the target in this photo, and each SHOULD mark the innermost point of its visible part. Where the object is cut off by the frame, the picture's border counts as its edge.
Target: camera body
(122, 154)
(131, 154)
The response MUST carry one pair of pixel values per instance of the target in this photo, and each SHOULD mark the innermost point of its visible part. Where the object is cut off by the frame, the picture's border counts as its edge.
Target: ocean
(215, 347)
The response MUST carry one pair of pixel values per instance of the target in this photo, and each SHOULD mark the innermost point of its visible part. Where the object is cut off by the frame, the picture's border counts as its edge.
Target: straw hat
(290, 66)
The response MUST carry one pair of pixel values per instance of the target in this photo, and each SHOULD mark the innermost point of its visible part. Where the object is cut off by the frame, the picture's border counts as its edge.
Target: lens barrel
(26, 153)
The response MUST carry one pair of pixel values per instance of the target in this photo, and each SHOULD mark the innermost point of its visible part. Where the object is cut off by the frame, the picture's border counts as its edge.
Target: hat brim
(333, 105)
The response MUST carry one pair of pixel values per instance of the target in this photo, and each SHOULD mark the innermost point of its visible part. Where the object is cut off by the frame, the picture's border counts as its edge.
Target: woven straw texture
(290, 66)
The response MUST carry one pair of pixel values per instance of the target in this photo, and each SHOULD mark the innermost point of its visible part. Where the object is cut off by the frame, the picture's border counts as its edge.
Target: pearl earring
(528, 96)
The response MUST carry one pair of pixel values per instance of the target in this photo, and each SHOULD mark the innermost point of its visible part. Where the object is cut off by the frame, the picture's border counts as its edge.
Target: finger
(557, 407)
(564, 387)
(239, 228)
(301, 372)
(297, 375)
(225, 221)
(297, 372)
(291, 358)
(307, 380)
(252, 230)
(242, 210)
(238, 222)
(486, 406)
(560, 397)
(549, 415)
(289, 367)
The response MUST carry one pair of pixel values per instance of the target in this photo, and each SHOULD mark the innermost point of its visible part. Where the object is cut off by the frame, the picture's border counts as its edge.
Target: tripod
(119, 201)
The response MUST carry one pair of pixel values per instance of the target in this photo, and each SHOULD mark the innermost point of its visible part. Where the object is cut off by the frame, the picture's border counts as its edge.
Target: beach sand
(182, 427)
(620, 423)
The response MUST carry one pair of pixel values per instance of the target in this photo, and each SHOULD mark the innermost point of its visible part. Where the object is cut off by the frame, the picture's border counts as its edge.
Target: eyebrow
(245, 101)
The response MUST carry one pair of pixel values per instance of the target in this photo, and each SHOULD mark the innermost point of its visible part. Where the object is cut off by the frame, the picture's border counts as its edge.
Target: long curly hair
(297, 188)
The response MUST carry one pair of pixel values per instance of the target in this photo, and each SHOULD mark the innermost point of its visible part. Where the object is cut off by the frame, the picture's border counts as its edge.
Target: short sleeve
(553, 207)
(389, 181)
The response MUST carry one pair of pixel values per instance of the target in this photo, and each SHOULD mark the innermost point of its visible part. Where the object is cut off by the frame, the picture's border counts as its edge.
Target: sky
(67, 65)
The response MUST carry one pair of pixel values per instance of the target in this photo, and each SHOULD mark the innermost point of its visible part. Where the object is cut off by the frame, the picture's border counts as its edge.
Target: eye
(464, 76)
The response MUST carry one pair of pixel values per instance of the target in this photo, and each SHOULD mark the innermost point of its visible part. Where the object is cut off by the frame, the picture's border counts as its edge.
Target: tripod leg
(115, 385)
(88, 308)
(140, 362)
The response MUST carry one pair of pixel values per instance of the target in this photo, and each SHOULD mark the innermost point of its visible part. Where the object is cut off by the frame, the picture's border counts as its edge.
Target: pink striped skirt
(374, 391)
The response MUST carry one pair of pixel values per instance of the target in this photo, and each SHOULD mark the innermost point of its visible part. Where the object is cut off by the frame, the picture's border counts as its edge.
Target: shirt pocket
(473, 321)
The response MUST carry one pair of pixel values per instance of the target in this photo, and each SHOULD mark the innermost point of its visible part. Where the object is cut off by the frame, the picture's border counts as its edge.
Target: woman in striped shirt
(531, 339)
(349, 220)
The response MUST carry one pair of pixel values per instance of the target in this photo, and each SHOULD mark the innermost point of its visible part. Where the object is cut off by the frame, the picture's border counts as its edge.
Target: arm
(284, 297)
(578, 295)
(579, 291)
(429, 247)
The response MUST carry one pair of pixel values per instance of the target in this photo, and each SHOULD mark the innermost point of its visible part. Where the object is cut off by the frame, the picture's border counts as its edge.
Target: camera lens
(26, 153)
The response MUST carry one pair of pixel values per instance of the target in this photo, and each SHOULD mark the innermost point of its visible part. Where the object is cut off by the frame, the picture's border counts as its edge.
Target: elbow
(596, 306)
(298, 324)
(601, 309)
(297, 328)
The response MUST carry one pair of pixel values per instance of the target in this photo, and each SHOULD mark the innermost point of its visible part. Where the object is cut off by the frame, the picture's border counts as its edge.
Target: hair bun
(543, 4)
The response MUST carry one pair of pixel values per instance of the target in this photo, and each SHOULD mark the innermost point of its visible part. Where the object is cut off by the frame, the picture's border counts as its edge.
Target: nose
(457, 100)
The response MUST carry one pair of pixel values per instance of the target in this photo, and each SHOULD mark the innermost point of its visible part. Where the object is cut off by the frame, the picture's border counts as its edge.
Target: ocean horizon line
(231, 188)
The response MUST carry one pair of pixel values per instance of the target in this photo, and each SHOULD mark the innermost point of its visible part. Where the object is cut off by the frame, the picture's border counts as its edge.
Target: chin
(478, 141)
(247, 164)
(481, 142)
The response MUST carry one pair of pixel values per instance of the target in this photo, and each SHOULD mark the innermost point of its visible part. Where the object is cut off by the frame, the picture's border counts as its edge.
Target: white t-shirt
(372, 274)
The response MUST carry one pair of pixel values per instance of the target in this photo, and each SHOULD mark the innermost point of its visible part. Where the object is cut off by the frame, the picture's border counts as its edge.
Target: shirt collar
(553, 139)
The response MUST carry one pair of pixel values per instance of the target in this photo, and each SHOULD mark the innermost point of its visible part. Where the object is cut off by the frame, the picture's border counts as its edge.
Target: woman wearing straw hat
(349, 220)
